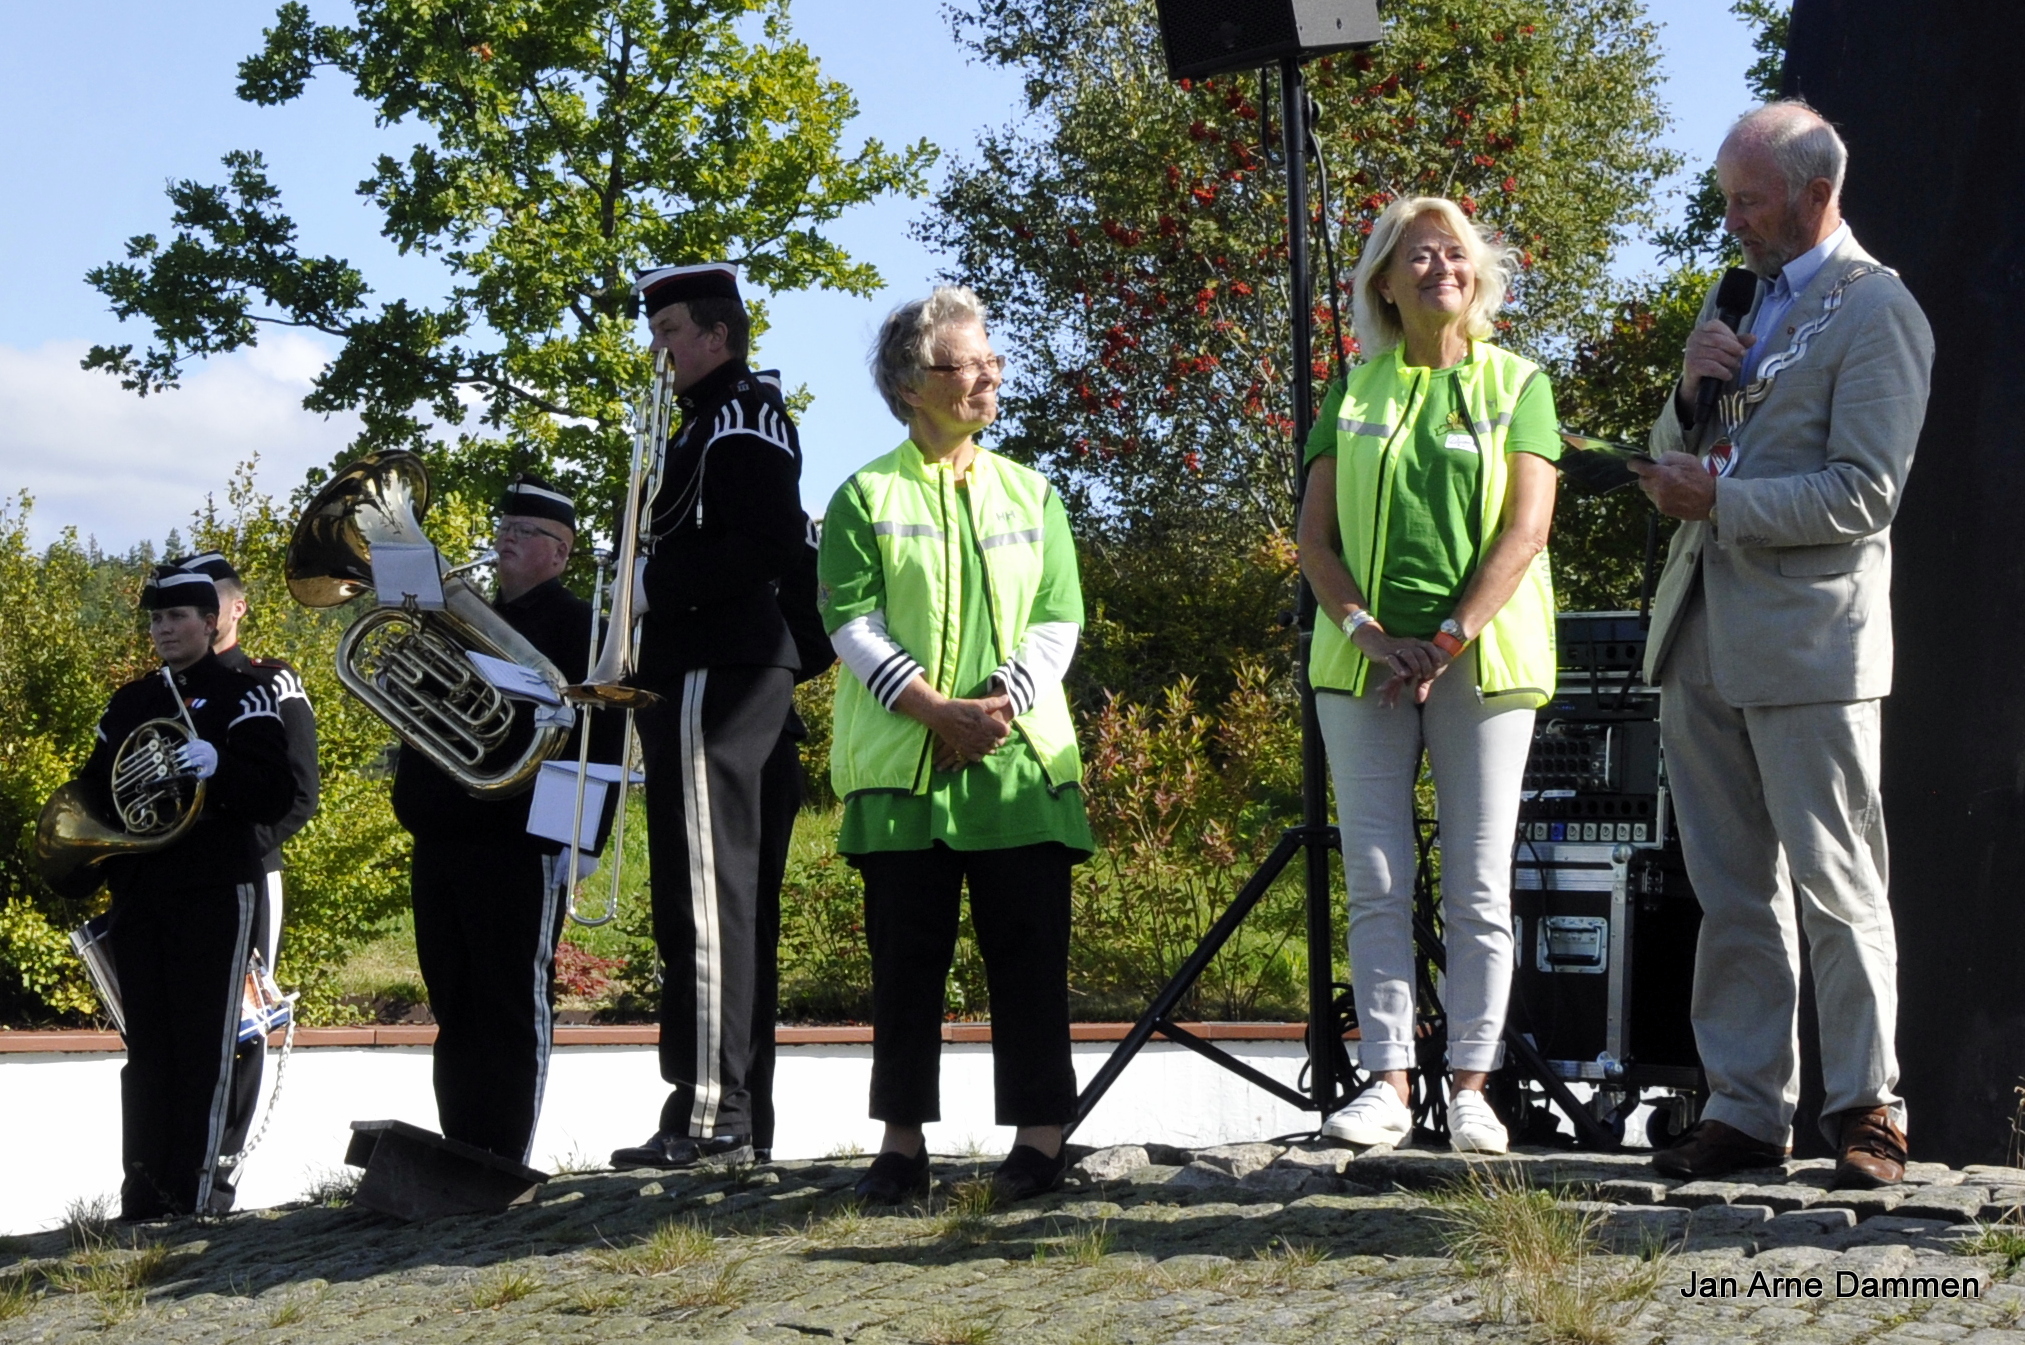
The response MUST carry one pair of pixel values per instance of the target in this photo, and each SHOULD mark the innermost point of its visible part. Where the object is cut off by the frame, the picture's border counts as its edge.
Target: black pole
(1314, 766)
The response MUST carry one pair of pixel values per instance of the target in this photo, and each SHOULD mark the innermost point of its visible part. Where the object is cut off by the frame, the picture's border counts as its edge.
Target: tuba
(154, 804)
(409, 666)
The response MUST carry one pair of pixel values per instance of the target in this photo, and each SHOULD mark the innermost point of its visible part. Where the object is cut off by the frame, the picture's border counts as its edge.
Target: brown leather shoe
(1712, 1149)
(1872, 1151)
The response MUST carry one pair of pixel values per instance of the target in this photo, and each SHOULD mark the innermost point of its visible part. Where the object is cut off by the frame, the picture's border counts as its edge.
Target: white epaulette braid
(257, 703)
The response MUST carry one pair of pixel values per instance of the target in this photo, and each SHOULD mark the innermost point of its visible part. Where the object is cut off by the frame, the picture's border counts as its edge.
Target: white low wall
(60, 1124)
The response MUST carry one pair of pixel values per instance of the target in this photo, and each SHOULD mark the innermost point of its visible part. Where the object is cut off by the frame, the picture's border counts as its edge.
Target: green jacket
(911, 504)
(1382, 401)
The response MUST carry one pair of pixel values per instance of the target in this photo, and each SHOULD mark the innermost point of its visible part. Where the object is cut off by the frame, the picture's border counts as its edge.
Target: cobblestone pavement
(1241, 1244)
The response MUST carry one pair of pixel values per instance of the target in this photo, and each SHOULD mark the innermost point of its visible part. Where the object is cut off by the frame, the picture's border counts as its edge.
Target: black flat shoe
(893, 1177)
(1029, 1172)
(684, 1151)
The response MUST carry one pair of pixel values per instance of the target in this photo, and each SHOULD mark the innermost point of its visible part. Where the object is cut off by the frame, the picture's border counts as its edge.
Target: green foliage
(1130, 234)
(1771, 29)
(561, 146)
(1184, 806)
(1613, 386)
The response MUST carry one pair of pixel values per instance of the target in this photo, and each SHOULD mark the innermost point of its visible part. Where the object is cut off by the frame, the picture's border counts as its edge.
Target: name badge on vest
(1460, 442)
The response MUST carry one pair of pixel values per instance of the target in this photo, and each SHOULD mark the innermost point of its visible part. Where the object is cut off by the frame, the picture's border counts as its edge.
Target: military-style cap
(171, 587)
(530, 496)
(212, 563)
(680, 284)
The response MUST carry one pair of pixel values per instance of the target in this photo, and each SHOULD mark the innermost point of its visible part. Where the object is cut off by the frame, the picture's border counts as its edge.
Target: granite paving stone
(1289, 1246)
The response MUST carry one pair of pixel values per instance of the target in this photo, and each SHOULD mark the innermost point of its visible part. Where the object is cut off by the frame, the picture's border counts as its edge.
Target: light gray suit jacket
(1796, 567)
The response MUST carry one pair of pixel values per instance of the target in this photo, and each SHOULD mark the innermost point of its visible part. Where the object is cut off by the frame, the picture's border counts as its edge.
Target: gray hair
(906, 341)
(1376, 318)
(1801, 142)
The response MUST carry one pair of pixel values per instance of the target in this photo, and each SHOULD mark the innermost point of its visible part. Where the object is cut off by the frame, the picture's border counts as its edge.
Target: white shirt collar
(1800, 272)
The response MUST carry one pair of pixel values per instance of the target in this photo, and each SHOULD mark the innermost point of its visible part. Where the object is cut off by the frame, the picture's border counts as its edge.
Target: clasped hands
(1413, 663)
(968, 731)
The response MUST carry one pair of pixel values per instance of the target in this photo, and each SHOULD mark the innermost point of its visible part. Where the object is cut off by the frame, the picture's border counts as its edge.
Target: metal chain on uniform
(1736, 406)
(267, 1117)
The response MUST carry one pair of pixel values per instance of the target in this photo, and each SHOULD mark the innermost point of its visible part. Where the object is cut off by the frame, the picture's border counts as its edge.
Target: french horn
(409, 666)
(154, 803)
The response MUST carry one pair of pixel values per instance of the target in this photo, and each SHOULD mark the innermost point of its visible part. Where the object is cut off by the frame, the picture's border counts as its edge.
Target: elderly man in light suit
(1771, 641)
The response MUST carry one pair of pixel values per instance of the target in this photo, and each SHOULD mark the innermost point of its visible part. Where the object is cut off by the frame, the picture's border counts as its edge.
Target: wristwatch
(1357, 621)
(1449, 639)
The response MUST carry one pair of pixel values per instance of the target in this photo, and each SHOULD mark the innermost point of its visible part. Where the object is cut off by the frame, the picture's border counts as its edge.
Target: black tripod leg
(1178, 986)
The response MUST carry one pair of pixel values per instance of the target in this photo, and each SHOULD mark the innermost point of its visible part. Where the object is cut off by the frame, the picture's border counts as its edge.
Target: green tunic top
(1003, 800)
(1432, 544)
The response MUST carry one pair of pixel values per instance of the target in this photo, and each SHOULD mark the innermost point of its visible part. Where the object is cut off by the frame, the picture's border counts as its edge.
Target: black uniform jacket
(284, 683)
(432, 806)
(726, 524)
(252, 787)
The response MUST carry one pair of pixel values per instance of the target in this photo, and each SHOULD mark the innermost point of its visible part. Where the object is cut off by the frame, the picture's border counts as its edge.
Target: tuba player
(489, 898)
(183, 916)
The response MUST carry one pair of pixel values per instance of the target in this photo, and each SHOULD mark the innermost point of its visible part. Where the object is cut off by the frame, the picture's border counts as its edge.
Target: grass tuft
(499, 1286)
(17, 1294)
(1535, 1256)
(965, 1215)
(577, 1163)
(333, 1188)
(2005, 1239)
(1086, 1247)
(672, 1245)
(846, 1150)
(944, 1330)
(840, 1227)
(586, 1300)
(295, 1308)
(723, 1290)
(88, 1219)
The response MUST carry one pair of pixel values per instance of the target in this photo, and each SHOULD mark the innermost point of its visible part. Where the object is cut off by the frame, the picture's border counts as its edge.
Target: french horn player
(489, 897)
(190, 761)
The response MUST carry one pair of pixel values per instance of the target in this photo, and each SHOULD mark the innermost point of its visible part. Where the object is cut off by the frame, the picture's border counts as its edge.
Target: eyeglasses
(524, 532)
(972, 369)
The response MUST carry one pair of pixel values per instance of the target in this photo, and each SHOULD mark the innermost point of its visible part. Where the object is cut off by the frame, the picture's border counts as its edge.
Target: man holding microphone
(1771, 641)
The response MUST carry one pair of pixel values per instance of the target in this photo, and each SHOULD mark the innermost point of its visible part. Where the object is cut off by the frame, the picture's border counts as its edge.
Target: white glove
(640, 586)
(197, 759)
(587, 864)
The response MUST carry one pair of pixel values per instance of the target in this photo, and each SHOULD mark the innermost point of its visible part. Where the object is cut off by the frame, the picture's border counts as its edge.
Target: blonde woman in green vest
(1424, 535)
(951, 596)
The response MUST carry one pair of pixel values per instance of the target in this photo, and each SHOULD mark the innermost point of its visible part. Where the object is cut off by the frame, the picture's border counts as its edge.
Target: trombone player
(722, 529)
(489, 898)
(183, 914)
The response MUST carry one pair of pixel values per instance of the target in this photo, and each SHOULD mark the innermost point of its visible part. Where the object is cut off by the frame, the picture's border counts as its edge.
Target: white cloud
(125, 469)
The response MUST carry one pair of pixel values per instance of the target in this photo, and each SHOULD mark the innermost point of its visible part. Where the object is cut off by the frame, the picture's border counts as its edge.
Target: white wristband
(1355, 622)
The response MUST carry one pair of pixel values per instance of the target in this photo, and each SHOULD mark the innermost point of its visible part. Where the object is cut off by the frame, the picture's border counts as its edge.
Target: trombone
(606, 686)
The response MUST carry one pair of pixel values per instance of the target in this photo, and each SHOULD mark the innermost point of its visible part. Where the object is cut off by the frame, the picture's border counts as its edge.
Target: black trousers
(487, 918)
(1019, 906)
(782, 789)
(250, 1061)
(181, 960)
(706, 744)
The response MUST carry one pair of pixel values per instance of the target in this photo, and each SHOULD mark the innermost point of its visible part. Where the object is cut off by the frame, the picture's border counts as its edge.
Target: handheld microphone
(1734, 297)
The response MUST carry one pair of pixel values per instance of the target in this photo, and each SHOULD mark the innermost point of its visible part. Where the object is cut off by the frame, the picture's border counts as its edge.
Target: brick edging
(628, 1034)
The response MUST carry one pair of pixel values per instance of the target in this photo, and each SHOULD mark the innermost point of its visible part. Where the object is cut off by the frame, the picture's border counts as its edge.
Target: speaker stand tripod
(1314, 838)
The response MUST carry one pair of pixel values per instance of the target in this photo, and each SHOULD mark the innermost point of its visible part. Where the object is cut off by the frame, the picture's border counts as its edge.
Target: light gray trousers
(1777, 803)
(1476, 751)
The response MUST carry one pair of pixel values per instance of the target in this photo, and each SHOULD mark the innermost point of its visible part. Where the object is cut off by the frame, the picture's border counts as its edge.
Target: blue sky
(104, 101)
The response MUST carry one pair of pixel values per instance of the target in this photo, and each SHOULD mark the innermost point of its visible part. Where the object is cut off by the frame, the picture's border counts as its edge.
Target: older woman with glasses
(951, 595)
(1424, 534)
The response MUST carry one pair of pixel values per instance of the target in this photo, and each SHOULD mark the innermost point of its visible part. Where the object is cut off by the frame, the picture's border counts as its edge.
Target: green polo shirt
(1432, 540)
(1003, 800)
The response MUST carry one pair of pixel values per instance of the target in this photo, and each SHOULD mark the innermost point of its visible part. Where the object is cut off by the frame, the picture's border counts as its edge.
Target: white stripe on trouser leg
(221, 1088)
(557, 872)
(702, 904)
(272, 952)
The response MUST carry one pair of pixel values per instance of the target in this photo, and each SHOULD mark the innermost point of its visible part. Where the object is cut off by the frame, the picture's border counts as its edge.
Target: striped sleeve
(874, 657)
(1039, 664)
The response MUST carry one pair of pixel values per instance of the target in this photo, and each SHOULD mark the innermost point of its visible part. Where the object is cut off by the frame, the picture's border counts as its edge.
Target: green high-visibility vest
(912, 504)
(1516, 653)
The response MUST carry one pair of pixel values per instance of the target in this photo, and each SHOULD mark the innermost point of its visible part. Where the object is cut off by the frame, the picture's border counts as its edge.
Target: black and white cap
(212, 563)
(531, 496)
(169, 587)
(666, 285)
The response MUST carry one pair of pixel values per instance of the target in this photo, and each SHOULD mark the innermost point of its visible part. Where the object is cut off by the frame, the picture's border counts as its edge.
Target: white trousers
(1476, 751)
(1776, 803)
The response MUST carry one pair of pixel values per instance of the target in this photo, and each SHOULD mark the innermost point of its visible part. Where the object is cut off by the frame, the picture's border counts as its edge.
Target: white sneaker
(1473, 1128)
(1374, 1116)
